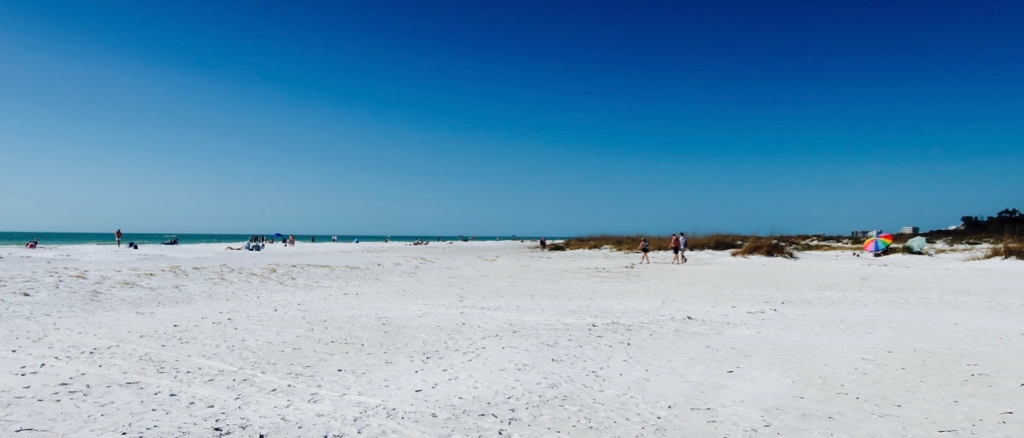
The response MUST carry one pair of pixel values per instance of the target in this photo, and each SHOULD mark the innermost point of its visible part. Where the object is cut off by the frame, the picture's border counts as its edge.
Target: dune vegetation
(1002, 232)
(1007, 250)
(765, 246)
(714, 242)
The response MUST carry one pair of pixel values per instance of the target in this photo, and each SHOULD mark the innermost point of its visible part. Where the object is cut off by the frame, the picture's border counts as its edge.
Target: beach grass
(766, 247)
(788, 246)
(1008, 250)
(714, 242)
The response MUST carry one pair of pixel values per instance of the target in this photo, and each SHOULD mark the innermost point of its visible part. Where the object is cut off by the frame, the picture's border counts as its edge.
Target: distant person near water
(676, 246)
(117, 237)
(682, 246)
(644, 247)
(32, 244)
(291, 239)
(312, 239)
(543, 244)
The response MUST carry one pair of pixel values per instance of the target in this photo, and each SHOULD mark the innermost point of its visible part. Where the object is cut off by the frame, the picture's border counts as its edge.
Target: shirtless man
(117, 236)
(675, 245)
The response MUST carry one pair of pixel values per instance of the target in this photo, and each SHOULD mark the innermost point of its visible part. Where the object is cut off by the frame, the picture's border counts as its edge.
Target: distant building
(864, 233)
(910, 230)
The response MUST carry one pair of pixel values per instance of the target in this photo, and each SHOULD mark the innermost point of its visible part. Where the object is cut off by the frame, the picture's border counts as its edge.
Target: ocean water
(47, 238)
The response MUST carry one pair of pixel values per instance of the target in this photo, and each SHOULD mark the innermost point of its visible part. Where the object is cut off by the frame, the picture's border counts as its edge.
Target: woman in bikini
(644, 247)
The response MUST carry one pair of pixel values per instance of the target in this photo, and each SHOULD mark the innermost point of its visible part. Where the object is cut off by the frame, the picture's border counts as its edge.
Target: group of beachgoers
(258, 242)
(265, 240)
(249, 246)
(677, 245)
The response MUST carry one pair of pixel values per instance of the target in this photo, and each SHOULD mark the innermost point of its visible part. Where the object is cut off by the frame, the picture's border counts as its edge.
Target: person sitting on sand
(644, 247)
(233, 248)
(32, 244)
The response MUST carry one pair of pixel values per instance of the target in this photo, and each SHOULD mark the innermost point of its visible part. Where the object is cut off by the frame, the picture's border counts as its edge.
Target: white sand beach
(500, 339)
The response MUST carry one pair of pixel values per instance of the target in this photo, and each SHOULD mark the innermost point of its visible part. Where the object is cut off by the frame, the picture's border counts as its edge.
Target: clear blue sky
(554, 118)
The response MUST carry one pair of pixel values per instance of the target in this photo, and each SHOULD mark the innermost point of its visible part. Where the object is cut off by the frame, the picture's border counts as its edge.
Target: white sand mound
(500, 339)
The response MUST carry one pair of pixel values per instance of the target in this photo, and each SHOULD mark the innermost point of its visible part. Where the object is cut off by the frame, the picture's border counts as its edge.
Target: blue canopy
(278, 235)
(917, 244)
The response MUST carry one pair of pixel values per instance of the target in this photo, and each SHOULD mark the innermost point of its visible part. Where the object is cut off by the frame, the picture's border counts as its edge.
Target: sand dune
(499, 339)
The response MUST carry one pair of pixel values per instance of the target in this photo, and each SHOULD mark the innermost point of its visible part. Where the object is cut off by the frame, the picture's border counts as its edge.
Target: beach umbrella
(278, 235)
(879, 243)
(916, 244)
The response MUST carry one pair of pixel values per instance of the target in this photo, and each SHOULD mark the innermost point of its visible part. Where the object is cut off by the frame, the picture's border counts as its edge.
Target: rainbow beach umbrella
(878, 243)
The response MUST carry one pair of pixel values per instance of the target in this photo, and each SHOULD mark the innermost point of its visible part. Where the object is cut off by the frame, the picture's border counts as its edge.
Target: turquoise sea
(49, 238)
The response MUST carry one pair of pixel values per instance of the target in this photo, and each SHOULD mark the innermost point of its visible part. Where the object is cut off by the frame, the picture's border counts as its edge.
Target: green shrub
(767, 247)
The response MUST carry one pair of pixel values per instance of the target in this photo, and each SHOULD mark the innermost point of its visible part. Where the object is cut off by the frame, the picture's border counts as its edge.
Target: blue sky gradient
(556, 118)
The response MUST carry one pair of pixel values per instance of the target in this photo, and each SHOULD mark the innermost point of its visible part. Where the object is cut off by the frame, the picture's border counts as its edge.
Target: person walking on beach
(543, 244)
(675, 245)
(682, 246)
(644, 247)
(117, 237)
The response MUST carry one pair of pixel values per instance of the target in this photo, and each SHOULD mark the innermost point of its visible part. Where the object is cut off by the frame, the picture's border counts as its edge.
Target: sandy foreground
(499, 339)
